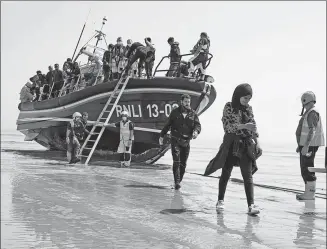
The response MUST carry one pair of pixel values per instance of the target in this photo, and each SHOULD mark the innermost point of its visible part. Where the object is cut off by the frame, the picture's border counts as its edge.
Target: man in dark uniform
(184, 125)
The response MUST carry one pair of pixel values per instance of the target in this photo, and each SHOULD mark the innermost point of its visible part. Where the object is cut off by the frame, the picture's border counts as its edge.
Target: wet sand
(53, 205)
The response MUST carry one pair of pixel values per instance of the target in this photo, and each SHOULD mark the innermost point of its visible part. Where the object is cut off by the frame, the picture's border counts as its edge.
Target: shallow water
(47, 204)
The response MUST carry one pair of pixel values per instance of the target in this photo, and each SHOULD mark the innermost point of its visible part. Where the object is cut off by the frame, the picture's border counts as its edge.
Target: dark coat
(220, 159)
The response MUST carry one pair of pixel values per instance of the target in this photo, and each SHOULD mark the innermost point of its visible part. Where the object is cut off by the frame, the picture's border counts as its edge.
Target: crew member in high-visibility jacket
(126, 135)
(74, 134)
(310, 136)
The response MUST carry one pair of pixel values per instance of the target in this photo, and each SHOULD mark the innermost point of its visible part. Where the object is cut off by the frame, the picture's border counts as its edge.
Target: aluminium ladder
(109, 109)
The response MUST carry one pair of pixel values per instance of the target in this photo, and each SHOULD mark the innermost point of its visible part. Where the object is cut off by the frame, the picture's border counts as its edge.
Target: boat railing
(208, 61)
(66, 86)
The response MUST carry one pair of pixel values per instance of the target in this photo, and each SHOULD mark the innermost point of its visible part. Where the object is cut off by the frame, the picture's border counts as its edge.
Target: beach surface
(46, 203)
(59, 206)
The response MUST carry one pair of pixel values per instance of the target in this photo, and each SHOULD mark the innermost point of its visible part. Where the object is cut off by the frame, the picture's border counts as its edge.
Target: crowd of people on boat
(118, 60)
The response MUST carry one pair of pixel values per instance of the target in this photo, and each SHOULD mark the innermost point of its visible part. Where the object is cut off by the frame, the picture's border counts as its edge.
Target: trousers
(180, 155)
(246, 171)
(306, 162)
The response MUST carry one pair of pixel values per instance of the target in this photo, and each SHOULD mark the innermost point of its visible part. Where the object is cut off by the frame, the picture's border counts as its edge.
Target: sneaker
(253, 210)
(220, 204)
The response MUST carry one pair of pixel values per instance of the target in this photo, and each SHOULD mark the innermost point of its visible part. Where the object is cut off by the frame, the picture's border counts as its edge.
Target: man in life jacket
(310, 136)
(126, 135)
(175, 58)
(200, 51)
(184, 125)
(74, 134)
(142, 53)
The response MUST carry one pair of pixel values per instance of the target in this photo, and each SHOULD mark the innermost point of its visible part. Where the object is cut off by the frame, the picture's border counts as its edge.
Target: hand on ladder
(99, 124)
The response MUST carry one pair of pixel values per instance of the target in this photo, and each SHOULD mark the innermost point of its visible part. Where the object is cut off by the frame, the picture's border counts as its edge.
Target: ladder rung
(95, 134)
(87, 148)
(91, 140)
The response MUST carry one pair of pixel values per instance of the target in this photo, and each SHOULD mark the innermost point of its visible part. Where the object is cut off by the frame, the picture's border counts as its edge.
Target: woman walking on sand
(240, 146)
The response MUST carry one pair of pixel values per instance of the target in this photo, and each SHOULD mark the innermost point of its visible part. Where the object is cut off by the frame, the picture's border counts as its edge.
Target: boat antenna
(100, 33)
(81, 34)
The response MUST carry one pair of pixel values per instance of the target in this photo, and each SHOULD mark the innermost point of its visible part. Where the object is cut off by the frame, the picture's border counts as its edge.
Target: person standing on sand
(240, 146)
(126, 134)
(74, 135)
(309, 136)
(184, 125)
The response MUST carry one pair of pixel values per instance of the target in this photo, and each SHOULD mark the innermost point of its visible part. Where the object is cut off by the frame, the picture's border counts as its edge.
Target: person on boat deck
(49, 76)
(42, 78)
(58, 83)
(68, 65)
(183, 69)
(75, 74)
(90, 77)
(240, 146)
(118, 55)
(25, 93)
(67, 70)
(50, 79)
(174, 56)
(126, 134)
(185, 125)
(74, 135)
(107, 63)
(141, 53)
(42, 83)
(133, 69)
(309, 136)
(149, 61)
(36, 85)
(200, 51)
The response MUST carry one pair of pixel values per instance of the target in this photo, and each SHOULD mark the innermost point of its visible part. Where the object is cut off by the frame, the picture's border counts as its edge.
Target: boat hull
(149, 103)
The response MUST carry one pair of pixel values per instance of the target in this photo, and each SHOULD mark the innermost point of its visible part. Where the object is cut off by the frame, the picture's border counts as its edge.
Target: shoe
(253, 210)
(220, 204)
(177, 186)
(309, 193)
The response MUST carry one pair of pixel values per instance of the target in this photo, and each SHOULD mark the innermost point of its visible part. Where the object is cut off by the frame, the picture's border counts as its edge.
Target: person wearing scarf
(240, 146)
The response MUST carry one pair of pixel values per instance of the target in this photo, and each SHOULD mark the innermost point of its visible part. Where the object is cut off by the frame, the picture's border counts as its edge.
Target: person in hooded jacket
(184, 125)
(240, 146)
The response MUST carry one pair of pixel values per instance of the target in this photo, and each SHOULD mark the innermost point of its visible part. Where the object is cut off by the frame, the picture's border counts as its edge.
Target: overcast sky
(277, 47)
